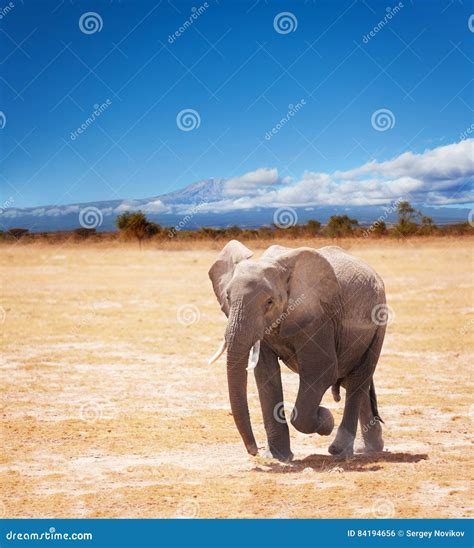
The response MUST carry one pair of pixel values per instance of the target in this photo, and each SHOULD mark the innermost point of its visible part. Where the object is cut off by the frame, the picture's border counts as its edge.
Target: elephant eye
(269, 302)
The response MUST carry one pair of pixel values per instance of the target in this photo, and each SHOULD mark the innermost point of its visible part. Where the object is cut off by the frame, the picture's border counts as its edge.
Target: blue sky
(240, 73)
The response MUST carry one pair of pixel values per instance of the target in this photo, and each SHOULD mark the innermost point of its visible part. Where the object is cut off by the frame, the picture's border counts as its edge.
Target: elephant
(313, 309)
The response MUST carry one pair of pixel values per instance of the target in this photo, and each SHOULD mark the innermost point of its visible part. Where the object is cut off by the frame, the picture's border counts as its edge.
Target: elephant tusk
(218, 354)
(254, 354)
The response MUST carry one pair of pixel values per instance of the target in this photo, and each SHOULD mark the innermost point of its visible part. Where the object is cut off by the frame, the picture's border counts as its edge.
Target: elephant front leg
(317, 366)
(270, 391)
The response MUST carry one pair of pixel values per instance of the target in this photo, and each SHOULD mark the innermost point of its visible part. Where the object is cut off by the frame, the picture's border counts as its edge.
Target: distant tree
(17, 233)
(212, 233)
(84, 233)
(134, 224)
(340, 225)
(457, 229)
(313, 227)
(427, 226)
(407, 214)
(379, 228)
(266, 233)
(233, 231)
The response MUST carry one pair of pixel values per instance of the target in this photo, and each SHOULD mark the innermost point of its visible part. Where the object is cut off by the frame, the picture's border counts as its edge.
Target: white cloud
(440, 176)
(252, 183)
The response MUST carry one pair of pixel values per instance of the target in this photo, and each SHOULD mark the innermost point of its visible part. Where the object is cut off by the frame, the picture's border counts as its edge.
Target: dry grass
(109, 408)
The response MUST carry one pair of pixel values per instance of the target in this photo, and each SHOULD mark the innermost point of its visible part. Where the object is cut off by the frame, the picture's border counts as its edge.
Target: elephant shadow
(356, 463)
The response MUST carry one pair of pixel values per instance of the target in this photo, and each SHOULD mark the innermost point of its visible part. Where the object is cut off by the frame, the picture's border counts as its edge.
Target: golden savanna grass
(109, 408)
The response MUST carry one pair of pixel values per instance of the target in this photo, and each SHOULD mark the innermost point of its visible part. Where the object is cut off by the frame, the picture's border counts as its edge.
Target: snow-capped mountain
(184, 208)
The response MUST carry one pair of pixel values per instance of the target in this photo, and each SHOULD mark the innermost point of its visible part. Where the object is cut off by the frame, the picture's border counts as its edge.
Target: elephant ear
(222, 270)
(312, 289)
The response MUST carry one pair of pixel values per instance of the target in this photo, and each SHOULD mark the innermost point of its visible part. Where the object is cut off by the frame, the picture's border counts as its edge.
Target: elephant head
(283, 293)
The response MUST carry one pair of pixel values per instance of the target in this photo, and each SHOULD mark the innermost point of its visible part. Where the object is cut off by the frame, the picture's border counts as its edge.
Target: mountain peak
(206, 190)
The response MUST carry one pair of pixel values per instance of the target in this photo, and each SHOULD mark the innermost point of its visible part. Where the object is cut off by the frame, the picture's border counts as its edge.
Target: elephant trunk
(239, 339)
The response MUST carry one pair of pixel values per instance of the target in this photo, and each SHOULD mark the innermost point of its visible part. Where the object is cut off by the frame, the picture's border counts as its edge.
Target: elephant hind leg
(360, 399)
(369, 421)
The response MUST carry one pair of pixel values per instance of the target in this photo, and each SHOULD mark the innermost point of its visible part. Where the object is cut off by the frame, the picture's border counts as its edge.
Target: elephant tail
(373, 402)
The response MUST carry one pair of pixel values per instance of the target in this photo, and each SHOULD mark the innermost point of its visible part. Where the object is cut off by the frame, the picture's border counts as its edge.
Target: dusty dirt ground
(109, 408)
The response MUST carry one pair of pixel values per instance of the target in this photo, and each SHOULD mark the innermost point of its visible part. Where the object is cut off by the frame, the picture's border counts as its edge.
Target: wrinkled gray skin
(313, 310)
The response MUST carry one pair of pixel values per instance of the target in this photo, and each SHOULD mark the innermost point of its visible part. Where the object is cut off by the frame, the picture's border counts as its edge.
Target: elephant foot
(321, 422)
(343, 445)
(367, 448)
(278, 454)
